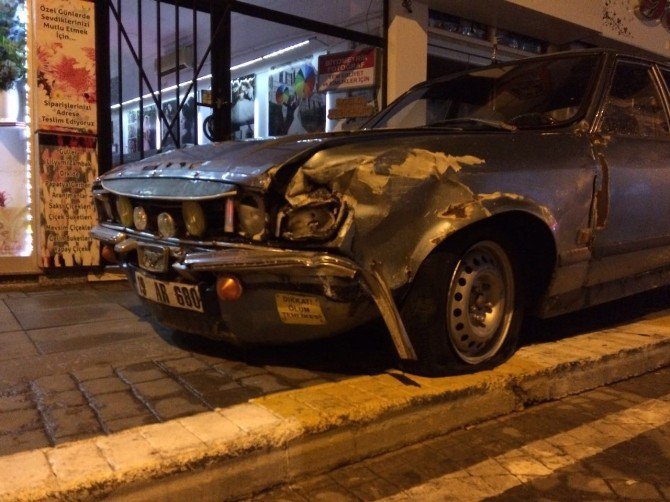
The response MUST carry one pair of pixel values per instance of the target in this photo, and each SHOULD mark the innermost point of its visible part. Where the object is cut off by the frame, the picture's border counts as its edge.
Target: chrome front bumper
(308, 263)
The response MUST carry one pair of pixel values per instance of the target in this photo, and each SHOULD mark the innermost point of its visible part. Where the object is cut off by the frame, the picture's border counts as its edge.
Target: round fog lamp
(124, 208)
(140, 218)
(194, 218)
(228, 288)
(166, 225)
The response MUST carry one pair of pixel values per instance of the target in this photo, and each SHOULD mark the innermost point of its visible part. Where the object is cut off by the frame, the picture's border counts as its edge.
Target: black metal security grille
(128, 30)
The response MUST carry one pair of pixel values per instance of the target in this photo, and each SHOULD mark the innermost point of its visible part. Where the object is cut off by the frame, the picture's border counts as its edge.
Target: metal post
(102, 87)
(220, 24)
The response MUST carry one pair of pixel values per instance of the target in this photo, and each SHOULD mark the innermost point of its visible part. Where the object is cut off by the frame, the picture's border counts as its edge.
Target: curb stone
(238, 451)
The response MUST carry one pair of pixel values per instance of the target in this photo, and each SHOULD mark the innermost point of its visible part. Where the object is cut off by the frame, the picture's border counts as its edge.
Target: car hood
(247, 163)
(243, 163)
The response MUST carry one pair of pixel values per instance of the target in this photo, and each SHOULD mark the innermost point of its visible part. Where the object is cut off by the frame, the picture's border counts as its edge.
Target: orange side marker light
(228, 288)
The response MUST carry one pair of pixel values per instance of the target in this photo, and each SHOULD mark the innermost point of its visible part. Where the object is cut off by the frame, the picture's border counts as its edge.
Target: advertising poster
(133, 132)
(67, 168)
(169, 109)
(295, 107)
(138, 138)
(185, 129)
(242, 112)
(187, 123)
(64, 58)
(149, 129)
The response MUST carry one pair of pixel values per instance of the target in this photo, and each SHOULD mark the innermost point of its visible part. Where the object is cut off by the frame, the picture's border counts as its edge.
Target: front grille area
(214, 216)
(214, 212)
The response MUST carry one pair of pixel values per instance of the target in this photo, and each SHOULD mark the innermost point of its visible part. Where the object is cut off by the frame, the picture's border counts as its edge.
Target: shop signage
(67, 168)
(64, 61)
(348, 70)
(351, 108)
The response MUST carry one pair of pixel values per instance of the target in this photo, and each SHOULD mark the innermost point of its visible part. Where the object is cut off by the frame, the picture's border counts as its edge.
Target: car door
(632, 146)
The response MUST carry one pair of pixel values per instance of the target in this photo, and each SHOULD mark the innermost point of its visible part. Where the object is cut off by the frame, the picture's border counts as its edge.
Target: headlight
(310, 222)
(124, 209)
(252, 217)
(140, 218)
(194, 218)
(166, 225)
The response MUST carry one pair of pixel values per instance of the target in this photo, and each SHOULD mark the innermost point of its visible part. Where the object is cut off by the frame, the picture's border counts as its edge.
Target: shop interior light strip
(232, 68)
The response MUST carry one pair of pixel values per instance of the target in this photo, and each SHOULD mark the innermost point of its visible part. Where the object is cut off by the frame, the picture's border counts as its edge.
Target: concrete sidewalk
(235, 451)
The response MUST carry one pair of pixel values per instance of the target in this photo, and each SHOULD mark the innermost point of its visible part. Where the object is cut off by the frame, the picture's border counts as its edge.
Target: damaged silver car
(535, 186)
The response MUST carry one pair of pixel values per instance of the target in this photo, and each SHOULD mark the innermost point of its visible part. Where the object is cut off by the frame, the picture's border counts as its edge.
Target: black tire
(208, 127)
(464, 310)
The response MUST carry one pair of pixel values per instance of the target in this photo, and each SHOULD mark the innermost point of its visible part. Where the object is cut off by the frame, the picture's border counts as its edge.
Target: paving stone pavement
(612, 443)
(87, 360)
(82, 392)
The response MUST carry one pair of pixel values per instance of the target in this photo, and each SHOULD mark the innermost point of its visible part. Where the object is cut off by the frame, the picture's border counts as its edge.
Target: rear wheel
(465, 307)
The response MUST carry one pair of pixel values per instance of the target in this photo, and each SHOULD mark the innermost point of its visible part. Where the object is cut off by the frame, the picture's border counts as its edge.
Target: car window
(521, 94)
(634, 106)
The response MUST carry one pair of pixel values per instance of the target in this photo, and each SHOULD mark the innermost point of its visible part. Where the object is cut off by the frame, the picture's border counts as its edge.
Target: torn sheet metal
(384, 191)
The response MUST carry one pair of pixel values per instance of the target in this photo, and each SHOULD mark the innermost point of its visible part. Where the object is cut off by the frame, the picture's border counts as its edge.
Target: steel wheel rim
(480, 302)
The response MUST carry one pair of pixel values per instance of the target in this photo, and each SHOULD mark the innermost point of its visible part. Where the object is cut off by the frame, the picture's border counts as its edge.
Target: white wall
(407, 47)
(614, 19)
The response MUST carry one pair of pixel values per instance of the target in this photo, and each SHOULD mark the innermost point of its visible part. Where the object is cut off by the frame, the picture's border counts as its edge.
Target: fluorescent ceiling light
(232, 68)
(271, 55)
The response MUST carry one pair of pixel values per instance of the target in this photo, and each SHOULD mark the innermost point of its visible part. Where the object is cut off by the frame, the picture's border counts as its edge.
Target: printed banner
(68, 166)
(64, 58)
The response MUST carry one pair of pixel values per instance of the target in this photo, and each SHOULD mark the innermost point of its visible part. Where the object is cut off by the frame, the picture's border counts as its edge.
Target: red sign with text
(348, 70)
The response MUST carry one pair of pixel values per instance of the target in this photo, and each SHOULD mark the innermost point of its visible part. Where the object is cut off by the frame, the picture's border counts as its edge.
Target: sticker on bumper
(296, 309)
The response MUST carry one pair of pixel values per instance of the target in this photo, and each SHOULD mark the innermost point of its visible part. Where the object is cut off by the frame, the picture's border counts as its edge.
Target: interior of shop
(273, 72)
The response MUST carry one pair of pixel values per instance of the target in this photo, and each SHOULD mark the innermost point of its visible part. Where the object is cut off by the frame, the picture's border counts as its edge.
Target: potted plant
(12, 54)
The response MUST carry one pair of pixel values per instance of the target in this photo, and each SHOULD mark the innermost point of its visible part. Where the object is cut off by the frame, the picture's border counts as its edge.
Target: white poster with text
(64, 59)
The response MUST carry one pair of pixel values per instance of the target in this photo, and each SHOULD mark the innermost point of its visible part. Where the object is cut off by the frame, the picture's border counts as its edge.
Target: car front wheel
(464, 310)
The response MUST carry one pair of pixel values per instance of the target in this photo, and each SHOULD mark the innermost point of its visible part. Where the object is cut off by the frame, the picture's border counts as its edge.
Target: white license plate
(174, 294)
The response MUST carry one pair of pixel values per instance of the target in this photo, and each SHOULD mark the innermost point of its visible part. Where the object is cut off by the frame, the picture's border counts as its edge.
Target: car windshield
(526, 94)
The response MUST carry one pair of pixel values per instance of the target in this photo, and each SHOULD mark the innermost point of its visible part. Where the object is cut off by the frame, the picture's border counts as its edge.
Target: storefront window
(15, 183)
(456, 24)
(276, 89)
(170, 43)
(15, 233)
(158, 47)
(520, 42)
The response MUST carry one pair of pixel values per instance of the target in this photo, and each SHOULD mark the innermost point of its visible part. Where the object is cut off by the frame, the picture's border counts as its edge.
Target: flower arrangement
(12, 43)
